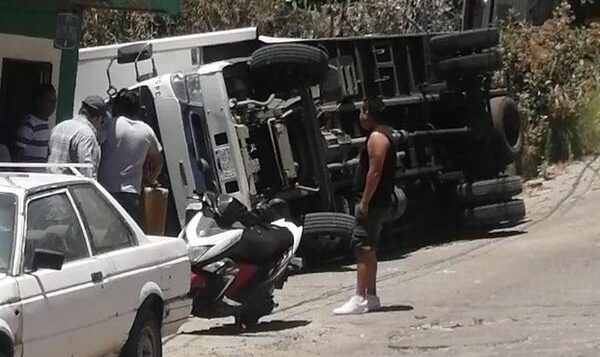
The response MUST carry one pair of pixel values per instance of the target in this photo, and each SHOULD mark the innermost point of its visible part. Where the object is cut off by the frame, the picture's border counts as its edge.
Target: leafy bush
(553, 69)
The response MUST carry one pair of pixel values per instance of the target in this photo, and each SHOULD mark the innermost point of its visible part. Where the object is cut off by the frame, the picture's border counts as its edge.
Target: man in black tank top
(374, 182)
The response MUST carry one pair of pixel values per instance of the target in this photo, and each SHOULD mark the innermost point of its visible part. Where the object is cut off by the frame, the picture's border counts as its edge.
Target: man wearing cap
(76, 140)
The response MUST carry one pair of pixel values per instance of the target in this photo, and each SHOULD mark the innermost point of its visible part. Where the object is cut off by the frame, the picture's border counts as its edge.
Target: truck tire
(489, 191)
(289, 63)
(507, 124)
(329, 223)
(469, 65)
(445, 46)
(144, 337)
(497, 215)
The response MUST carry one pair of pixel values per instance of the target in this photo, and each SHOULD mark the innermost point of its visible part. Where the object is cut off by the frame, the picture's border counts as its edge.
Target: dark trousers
(131, 203)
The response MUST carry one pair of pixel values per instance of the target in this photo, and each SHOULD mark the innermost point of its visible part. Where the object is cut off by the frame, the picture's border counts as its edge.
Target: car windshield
(8, 203)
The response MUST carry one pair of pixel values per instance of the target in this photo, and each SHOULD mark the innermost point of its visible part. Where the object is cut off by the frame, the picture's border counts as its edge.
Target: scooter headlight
(196, 253)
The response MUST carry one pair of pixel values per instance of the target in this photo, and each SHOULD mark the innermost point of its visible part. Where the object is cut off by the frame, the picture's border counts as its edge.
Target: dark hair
(41, 89)
(375, 107)
(126, 103)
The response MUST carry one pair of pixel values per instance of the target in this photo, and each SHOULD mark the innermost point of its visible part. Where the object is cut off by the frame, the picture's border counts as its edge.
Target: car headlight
(196, 253)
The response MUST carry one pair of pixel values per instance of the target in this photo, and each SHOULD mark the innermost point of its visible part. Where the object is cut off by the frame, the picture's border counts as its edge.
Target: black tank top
(383, 194)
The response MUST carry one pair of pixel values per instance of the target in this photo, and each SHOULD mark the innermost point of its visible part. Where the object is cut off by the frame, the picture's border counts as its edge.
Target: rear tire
(507, 124)
(489, 191)
(289, 65)
(144, 337)
(497, 215)
(329, 223)
(464, 42)
(469, 65)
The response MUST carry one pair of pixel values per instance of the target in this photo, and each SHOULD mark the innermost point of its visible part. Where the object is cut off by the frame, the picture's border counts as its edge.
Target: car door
(111, 234)
(62, 309)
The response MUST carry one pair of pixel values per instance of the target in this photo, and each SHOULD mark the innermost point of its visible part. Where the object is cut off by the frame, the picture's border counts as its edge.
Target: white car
(78, 277)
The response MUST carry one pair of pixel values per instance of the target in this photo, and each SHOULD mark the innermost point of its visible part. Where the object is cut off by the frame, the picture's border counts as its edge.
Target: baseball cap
(95, 102)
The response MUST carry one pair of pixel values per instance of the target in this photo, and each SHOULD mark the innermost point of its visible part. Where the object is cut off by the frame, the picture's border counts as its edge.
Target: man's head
(126, 103)
(94, 109)
(44, 100)
(371, 113)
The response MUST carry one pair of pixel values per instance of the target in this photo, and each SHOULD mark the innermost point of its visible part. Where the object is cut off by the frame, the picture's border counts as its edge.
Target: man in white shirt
(131, 153)
(32, 137)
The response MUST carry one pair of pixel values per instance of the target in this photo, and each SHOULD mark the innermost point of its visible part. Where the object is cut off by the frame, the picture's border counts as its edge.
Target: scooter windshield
(208, 227)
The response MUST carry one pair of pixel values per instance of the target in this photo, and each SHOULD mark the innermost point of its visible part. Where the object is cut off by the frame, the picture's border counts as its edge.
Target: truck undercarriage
(283, 124)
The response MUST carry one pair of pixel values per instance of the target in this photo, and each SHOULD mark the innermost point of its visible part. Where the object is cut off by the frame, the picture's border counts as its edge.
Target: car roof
(22, 181)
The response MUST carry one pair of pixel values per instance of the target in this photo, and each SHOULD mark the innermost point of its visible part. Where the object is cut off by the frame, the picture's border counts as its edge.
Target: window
(8, 206)
(108, 230)
(53, 225)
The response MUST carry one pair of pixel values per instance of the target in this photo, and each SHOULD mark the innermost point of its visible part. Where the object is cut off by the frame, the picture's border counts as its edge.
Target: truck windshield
(8, 204)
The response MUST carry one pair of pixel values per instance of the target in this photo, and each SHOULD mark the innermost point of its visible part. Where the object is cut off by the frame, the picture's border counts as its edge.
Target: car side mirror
(47, 259)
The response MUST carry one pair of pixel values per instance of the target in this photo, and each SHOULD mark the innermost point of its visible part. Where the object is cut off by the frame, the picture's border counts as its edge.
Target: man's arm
(88, 153)
(154, 160)
(24, 134)
(377, 148)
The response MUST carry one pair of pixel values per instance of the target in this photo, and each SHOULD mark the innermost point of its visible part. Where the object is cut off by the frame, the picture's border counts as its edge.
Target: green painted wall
(27, 22)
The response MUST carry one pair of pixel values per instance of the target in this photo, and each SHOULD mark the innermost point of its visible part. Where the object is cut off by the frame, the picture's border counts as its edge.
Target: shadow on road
(232, 330)
(393, 308)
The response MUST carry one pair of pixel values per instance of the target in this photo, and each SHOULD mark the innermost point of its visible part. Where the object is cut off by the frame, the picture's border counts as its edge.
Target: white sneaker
(373, 302)
(356, 305)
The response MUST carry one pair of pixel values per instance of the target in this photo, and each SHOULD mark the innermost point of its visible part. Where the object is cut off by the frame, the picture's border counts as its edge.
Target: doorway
(17, 81)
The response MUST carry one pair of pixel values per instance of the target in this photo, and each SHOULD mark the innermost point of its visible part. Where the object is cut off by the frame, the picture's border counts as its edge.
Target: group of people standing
(122, 150)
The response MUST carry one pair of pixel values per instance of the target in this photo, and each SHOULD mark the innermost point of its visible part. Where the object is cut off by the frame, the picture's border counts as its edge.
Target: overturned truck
(282, 125)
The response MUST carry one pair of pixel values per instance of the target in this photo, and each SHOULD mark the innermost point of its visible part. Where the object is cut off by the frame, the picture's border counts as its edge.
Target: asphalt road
(531, 291)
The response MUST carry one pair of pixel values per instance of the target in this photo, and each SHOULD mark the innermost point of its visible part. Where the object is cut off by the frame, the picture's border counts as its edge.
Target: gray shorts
(368, 229)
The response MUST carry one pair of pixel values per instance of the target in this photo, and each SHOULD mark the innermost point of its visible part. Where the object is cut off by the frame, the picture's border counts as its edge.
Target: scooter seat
(260, 246)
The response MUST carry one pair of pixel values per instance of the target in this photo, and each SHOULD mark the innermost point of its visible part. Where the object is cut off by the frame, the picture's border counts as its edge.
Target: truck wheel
(507, 124)
(144, 337)
(466, 41)
(289, 64)
(469, 65)
(329, 223)
(497, 215)
(489, 191)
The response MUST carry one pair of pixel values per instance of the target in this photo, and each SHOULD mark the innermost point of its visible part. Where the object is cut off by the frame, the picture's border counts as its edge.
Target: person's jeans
(131, 203)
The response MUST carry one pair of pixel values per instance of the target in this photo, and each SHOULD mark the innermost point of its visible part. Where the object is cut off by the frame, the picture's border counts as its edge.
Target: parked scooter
(238, 259)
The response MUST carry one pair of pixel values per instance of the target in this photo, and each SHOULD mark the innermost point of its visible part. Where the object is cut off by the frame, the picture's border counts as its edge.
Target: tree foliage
(302, 18)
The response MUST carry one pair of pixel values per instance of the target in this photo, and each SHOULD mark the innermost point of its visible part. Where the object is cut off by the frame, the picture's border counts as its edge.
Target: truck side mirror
(134, 53)
(47, 259)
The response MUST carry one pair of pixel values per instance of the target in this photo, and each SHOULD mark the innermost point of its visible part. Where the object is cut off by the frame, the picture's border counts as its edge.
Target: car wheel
(289, 65)
(462, 42)
(507, 124)
(144, 337)
(469, 65)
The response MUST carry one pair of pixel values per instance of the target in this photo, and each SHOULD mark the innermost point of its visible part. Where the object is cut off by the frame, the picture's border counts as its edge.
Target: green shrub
(553, 70)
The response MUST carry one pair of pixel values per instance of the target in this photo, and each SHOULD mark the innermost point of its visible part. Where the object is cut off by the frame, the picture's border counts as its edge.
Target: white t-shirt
(124, 149)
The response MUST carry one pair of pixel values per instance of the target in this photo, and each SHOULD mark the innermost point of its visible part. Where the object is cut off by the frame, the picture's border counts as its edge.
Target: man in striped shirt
(32, 137)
